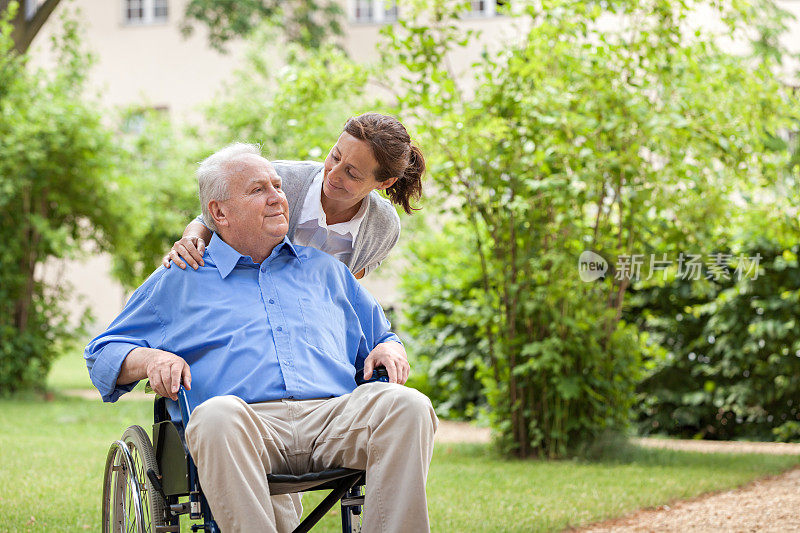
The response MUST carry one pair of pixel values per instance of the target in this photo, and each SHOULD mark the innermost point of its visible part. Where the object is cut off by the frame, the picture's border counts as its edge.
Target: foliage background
(579, 137)
(646, 136)
(57, 200)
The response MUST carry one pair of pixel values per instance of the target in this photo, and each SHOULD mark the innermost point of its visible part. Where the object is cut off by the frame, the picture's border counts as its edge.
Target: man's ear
(217, 213)
(383, 185)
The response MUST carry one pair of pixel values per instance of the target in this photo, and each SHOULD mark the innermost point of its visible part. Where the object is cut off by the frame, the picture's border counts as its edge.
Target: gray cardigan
(378, 233)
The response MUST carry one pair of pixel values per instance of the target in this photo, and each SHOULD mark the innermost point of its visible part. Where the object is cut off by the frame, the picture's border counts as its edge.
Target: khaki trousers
(383, 428)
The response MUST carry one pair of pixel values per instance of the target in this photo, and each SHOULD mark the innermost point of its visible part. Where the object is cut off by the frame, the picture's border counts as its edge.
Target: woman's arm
(190, 248)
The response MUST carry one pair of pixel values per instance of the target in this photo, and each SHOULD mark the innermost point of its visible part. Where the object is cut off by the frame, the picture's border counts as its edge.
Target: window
(145, 11)
(389, 11)
(160, 10)
(374, 10)
(134, 11)
(364, 11)
(31, 7)
(135, 121)
(485, 8)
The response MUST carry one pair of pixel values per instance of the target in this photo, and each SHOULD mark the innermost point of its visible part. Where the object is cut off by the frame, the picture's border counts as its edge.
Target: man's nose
(273, 195)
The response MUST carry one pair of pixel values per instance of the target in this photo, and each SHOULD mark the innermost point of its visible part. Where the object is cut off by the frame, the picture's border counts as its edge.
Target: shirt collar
(312, 211)
(226, 258)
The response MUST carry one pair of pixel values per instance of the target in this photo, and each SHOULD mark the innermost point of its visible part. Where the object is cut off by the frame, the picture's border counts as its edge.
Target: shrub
(57, 199)
(730, 364)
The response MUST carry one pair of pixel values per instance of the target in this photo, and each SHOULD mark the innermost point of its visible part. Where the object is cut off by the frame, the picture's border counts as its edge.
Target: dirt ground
(771, 504)
(461, 432)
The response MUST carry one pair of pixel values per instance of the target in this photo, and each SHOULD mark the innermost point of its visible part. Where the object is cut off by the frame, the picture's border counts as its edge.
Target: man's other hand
(392, 356)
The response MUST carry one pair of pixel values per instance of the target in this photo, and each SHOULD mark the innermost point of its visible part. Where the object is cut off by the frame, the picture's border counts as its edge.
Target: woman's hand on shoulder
(188, 249)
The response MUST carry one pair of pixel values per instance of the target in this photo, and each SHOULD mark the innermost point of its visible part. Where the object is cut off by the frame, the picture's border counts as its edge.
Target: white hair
(212, 176)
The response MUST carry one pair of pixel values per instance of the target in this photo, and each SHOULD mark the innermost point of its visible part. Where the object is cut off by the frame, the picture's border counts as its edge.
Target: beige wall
(147, 64)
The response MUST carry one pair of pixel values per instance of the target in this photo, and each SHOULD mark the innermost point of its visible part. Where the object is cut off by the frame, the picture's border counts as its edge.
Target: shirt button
(280, 328)
(271, 301)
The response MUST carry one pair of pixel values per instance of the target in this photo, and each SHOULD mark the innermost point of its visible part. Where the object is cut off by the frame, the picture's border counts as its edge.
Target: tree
(57, 199)
(308, 23)
(156, 163)
(624, 141)
(305, 22)
(727, 359)
(295, 114)
(28, 20)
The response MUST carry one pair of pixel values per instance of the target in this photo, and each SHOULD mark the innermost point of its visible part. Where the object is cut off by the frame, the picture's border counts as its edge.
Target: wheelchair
(148, 485)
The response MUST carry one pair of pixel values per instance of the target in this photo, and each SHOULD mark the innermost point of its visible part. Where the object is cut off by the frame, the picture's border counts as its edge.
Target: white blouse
(334, 239)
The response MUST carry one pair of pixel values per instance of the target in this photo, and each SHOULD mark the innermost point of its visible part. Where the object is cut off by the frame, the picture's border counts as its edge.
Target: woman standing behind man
(335, 207)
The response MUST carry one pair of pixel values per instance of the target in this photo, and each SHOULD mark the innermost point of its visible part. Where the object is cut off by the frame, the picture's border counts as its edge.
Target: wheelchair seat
(288, 484)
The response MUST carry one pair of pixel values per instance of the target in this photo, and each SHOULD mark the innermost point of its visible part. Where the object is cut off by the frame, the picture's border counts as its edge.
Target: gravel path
(710, 446)
(769, 504)
(461, 432)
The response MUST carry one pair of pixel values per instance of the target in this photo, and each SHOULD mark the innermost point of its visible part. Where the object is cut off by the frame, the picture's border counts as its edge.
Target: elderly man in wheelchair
(253, 357)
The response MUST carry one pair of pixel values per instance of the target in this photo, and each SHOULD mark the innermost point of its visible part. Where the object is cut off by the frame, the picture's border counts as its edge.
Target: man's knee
(217, 416)
(408, 405)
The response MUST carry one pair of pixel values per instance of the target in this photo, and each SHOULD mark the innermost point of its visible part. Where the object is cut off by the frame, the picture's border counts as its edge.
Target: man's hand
(165, 370)
(392, 356)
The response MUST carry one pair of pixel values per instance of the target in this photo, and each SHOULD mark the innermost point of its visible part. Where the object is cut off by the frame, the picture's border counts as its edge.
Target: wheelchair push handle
(183, 402)
(378, 374)
(185, 406)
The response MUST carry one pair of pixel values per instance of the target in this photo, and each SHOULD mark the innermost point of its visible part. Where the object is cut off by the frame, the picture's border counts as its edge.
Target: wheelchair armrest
(160, 404)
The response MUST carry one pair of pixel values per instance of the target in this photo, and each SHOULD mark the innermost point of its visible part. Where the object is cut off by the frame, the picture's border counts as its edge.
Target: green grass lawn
(69, 372)
(52, 455)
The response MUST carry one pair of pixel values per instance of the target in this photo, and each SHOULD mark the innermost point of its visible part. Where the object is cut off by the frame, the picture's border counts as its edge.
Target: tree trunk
(28, 20)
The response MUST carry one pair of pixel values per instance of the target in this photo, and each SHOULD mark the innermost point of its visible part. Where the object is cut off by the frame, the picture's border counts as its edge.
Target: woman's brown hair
(396, 156)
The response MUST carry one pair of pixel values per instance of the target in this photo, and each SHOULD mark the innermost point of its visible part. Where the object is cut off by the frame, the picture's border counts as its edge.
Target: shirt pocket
(325, 329)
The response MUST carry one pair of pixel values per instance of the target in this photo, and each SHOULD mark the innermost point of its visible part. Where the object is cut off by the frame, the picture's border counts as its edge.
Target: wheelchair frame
(144, 481)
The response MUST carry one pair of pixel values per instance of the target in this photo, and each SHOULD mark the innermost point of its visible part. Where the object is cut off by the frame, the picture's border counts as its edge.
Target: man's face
(256, 213)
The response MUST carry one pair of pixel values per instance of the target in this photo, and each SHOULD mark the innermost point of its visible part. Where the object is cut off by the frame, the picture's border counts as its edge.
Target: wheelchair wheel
(130, 503)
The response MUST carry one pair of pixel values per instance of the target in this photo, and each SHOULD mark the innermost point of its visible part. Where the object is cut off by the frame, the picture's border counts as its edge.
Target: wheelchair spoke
(142, 477)
(129, 503)
(120, 492)
(130, 516)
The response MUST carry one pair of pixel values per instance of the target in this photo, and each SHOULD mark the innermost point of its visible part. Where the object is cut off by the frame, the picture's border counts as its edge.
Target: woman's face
(350, 171)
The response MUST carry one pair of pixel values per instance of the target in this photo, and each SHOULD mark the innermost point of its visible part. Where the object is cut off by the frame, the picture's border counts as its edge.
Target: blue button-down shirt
(295, 326)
